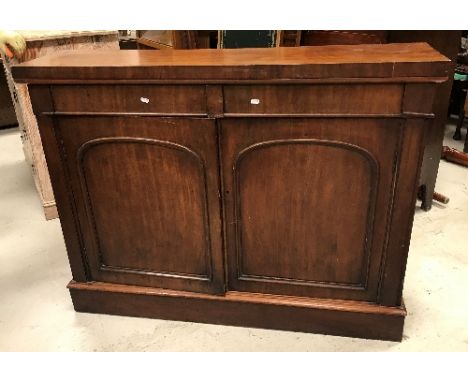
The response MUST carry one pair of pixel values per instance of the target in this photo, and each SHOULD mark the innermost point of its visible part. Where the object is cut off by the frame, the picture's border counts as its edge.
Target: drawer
(314, 99)
(164, 99)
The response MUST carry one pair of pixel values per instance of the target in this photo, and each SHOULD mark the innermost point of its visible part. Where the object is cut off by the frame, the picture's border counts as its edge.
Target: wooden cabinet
(146, 191)
(268, 188)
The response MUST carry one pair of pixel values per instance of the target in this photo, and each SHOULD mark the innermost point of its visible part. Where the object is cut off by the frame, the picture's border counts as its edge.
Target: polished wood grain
(418, 98)
(390, 60)
(214, 101)
(334, 317)
(293, 212)
(314, 99)
(307, 204)
(319, 248)
(149, 211)
(131, 98)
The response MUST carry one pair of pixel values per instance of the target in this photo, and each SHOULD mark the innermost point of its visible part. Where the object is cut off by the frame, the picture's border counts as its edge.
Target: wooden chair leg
(441, 198)
(455, 156)
(457, 134)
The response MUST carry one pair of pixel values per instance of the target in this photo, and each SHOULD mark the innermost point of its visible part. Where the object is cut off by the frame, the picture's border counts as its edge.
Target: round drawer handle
(144, 99)
(254, 101)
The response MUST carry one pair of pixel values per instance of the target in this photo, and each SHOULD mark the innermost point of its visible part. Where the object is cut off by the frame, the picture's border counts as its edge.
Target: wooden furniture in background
(331, 37)
(289, 38)
(461, 117)
(155, 40)
(174, 39)
(190, 39)
(455, 156)
(205, 39)
(41, 43)
(270, 188)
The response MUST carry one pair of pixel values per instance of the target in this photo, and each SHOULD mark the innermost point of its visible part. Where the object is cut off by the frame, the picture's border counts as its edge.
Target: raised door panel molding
(307, 204)
(145, 192)
(318, 233)
(163, 194)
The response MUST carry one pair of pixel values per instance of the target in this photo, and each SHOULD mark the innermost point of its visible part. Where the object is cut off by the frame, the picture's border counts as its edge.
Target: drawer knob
(254, 101)
(144, 99)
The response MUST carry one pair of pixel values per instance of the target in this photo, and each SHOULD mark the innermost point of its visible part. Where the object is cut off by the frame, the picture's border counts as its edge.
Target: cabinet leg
(426, 202)
(465, 147)
(461, 117)
(423, 195)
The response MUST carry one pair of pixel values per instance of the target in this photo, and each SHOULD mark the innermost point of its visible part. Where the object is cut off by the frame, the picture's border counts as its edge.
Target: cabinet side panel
(402, 212)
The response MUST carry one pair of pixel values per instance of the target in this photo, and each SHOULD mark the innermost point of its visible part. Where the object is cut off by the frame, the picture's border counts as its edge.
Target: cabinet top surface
(333, 61)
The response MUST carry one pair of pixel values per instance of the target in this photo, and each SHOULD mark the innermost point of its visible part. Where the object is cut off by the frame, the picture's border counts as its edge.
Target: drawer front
(314, 99)
(164, 99)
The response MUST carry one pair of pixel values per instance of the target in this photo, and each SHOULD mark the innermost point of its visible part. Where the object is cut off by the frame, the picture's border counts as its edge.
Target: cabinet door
(307, 204)
(146, 195)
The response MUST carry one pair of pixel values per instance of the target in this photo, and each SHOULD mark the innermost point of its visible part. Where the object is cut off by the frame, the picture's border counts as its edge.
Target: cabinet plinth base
(335, 317)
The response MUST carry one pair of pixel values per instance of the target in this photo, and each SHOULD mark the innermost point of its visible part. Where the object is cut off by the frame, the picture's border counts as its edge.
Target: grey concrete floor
(36, 313)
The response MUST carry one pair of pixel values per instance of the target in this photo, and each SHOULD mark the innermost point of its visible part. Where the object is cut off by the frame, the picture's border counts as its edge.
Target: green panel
(248, 39)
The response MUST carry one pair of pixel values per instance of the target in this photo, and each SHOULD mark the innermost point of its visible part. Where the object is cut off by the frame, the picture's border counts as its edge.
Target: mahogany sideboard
(270, 188)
